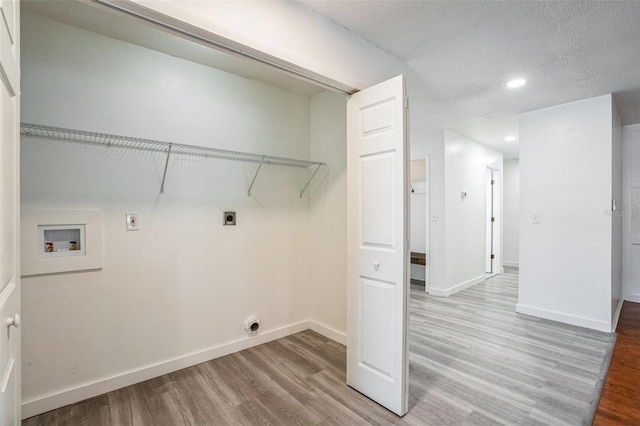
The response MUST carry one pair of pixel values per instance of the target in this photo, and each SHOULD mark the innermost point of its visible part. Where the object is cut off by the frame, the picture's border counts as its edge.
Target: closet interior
(124, 120)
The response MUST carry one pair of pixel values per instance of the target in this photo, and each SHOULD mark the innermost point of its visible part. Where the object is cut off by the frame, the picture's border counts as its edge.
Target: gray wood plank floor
(473, 361)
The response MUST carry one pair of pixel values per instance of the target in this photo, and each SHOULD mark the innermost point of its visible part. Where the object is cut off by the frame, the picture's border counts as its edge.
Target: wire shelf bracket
(254, 177)
(310, 179)
(166, 166)
(168, 148)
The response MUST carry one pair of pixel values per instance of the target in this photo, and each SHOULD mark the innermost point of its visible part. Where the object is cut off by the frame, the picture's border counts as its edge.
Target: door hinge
(493, 219)
(406, 102)
(493, 182)
(493, 256)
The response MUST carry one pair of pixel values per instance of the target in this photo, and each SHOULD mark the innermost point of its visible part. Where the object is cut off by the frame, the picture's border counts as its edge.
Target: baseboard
(456, 288)
(510, 263)
(329, 332)
(42, 404)
(564, 318)
(616, 316)
(635, 298)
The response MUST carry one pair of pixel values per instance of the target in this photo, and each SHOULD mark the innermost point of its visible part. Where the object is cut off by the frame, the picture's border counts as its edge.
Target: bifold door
(9, 213)
(378, 290)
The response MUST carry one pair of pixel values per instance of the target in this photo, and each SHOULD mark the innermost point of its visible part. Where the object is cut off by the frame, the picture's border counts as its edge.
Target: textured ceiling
(464, 51)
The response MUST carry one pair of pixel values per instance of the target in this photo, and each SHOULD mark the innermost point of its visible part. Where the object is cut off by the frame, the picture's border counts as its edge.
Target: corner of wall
(327, 295)
(431, 143)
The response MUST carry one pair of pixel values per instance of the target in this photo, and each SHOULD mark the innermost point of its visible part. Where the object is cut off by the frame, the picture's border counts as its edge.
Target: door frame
(496, 237)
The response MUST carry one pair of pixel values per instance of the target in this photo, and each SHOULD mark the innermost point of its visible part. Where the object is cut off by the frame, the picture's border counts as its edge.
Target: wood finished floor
(473, 361)
(620, 399)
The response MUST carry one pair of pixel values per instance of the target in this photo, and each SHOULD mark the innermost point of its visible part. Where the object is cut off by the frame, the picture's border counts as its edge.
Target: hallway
(478, 361)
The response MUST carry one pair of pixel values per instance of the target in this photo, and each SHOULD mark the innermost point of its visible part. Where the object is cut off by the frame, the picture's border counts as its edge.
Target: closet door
(377, 244)
(9, 214)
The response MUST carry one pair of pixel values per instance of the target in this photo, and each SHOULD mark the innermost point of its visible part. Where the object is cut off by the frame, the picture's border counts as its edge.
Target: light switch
(133, 223)
(434, 217)
(535, 218)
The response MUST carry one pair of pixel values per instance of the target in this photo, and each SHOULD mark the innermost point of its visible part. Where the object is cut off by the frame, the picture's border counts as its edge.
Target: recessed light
(510, 138)
(515, 83)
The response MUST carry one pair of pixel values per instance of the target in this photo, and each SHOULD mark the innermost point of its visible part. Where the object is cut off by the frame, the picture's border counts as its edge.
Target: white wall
(465, 167)
(431, 145)
(327, 236)
(177, 291)
(631, 213)
(566, 178)
(511, 216)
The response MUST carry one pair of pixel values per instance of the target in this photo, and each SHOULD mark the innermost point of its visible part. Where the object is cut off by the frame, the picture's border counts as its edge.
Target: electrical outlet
(133, 223)
(229, 218)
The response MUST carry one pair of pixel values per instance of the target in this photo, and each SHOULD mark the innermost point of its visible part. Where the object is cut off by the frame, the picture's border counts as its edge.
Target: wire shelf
(169, 148)
(94, 138)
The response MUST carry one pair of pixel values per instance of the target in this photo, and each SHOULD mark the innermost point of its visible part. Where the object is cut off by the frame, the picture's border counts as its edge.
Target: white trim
(564, 318)
(456, 288)
(326, 331)
(511, 263)
(635, 298)
(616, 316)
(44, 403)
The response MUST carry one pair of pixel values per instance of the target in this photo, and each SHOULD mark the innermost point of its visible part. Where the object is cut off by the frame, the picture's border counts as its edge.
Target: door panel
(378, 117)
(378, 194)
(9, 214)
(9, 340)
(7, 185)
(377, 197)
(377, 319)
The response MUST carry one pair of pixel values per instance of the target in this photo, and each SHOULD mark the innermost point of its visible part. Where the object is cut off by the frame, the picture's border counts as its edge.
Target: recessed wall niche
(61, 241)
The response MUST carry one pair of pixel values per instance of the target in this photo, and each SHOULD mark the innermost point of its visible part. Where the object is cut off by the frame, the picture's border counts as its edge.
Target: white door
(9, 214)
(378, 261)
